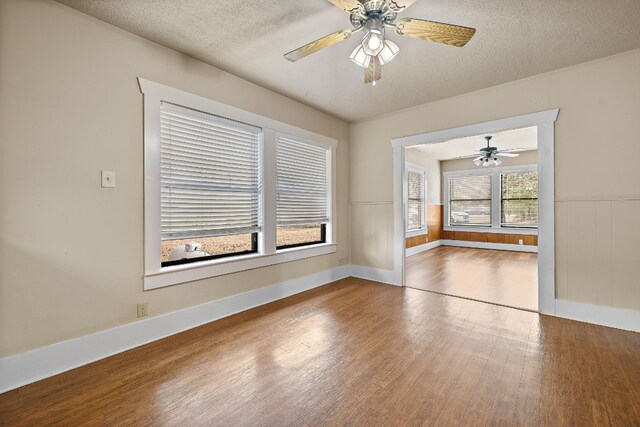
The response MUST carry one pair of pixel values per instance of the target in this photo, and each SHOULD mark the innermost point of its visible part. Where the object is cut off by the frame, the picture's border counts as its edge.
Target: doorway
(486, 243)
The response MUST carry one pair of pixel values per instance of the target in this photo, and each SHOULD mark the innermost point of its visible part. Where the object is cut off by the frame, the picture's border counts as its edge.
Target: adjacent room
(476, 235)
(319, 212)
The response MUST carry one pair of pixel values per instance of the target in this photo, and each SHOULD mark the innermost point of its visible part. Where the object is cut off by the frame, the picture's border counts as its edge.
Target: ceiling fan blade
(502, 154)
(316, 45)
(373, 72)
(400, 5)
(477, 158)
(349, 6)
(454, 35)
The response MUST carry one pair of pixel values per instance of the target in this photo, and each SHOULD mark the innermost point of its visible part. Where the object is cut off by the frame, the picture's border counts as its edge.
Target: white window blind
(415, 200)
(301, 183)
(470, 200)
(209, 174)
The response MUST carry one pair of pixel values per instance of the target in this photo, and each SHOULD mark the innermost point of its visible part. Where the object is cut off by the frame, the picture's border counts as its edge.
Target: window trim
(156, 276)
(495, 227)
(412, 167)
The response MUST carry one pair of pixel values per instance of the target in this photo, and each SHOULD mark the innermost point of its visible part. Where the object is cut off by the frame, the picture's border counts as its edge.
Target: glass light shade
(372, 43)
(360, 57)
(388, 52)
(478, 162)
(497, 161)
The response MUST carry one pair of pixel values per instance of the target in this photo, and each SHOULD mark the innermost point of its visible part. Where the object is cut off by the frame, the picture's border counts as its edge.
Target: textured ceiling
(514, 39)
(524, 139)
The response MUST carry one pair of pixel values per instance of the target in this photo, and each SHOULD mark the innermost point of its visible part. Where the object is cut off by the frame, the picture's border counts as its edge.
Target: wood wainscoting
(436, 232)
(528, 239)
(434, 228)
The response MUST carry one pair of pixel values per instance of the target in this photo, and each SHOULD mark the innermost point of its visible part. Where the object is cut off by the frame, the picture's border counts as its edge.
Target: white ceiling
(511, 140)
(514, 39)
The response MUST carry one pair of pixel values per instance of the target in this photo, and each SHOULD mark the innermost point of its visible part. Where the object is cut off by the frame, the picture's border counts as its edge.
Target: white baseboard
(44, 362)
(375, 274)
(599, 315)
(422, 248)
(487, 245)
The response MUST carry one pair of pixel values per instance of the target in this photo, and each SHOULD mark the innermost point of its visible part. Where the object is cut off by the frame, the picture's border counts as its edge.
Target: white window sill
(189, 272)
(414, 233)
(497, 230)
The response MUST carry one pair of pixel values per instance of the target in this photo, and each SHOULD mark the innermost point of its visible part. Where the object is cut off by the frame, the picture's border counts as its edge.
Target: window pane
(299, 235)
(519, 199)
(415, 202)
(209, 174)
(302, 182)
(197, 248)
(414, 214)
(470, 200)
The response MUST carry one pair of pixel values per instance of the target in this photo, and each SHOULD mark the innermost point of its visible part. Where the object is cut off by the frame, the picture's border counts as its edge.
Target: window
(225, 188)
(302, 192)
(495, 200)
(416, 209)
(470, 200)
(519, 199)
(209, 186)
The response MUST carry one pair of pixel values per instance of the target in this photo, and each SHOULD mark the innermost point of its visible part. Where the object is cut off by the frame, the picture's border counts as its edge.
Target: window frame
(496, 195)
(156, 276)
(412, 167)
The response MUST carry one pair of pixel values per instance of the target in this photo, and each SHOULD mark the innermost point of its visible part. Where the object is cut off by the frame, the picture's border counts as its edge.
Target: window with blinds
(470, 200)
(210, 185)
(415, 200)
(519, 199)
(302, 192)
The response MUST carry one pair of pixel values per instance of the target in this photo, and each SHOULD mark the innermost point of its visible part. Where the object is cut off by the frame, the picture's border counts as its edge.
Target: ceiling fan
(372, 17)
(489, 155)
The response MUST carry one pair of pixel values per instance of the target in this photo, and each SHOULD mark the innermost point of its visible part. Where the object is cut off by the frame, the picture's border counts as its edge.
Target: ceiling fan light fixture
(388, 52)
(360, 57)
(497, 161)
(372, 43)
(478, 162)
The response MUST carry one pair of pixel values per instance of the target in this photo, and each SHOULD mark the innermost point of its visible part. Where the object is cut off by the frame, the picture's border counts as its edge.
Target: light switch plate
(108, 179)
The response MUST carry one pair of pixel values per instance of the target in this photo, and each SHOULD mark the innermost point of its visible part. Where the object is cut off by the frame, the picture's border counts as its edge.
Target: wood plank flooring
(500, 277)
(355, 353)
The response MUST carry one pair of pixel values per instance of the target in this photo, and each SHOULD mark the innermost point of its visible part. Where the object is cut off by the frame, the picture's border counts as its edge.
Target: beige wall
(71, 254)
(597, 192)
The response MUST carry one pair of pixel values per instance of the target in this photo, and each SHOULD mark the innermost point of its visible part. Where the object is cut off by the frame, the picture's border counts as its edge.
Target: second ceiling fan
(373, 17)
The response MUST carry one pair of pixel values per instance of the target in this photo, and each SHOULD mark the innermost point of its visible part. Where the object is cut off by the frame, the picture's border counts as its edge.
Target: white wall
(71, 253)
(597, 195)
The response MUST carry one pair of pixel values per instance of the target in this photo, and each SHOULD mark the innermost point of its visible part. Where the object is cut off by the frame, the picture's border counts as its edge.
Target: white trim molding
(489, 245)
(156, 276)
(44, 362)
(599, 315)
(544, 121)
(423, 247)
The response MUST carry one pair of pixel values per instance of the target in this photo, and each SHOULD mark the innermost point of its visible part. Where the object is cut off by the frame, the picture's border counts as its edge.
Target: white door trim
(544, 121)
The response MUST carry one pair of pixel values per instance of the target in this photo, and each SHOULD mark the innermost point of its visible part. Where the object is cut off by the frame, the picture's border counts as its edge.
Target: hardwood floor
(357, 353)
(500, 277)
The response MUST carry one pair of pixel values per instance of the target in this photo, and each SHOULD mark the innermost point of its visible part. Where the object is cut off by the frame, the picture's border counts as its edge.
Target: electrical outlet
(142, 309)
(342, 261)
(108, 179)
(521, 242)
